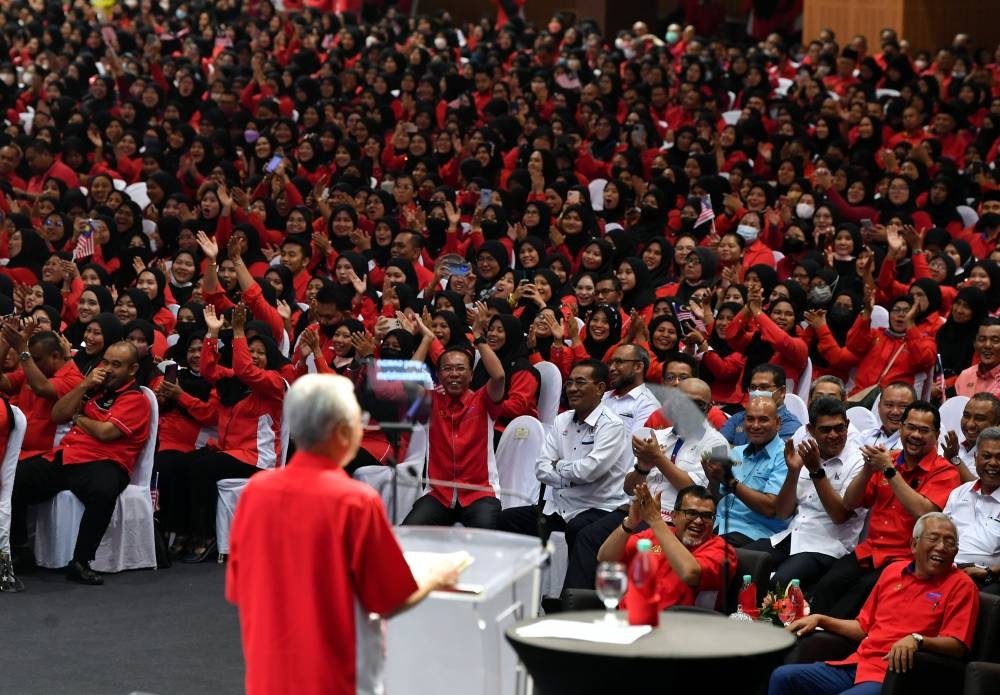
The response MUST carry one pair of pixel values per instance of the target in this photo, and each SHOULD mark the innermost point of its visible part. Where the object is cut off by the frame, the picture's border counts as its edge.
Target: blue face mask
(672, 37)
(748, 233)
(761, 394)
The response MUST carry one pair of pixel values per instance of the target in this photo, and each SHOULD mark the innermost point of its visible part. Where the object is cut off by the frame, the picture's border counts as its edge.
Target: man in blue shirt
(765, 380)
(749, 487)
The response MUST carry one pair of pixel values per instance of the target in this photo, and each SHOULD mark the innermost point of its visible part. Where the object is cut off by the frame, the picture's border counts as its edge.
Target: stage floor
(165, 632)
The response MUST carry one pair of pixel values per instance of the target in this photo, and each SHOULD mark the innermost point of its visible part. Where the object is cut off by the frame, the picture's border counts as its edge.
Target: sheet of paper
(588, 632)
(421, 563)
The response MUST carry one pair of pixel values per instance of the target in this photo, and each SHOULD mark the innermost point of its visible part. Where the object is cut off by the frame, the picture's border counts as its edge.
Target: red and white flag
(707, 214)
(84, 245)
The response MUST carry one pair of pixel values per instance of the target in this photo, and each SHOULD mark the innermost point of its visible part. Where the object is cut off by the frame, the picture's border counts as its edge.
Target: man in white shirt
(982, 411)
(582, 463)
(667, 464)
(975, 509)
(892, 402)
(821, 528)
(629, 398)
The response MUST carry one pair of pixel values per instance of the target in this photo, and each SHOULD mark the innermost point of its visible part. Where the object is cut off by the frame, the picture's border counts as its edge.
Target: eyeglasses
(577, 383)
(617, 361)
(692, 514)
(832, 429)
(674, 378)
(916, 428)
(692, 259)
(900, 310)
(604, 290)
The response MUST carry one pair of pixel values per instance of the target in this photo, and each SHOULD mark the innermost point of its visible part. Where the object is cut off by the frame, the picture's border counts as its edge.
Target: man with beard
(693, 555)
(897, 489)
(975, 509)
(629, 398)
(94, 460)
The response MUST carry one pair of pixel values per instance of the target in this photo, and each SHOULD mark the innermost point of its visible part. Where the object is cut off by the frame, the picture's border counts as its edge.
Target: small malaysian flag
(154, 492)
(683, 313)
(84, 245)
(707, 214)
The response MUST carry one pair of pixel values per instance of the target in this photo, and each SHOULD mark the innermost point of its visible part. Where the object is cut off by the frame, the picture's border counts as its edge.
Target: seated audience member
(47, 374)
(974, 507)
(629, 398)
(820, 528)
(583, 460)
(896, 488)
(749, 484)
(95, 459)
(892, 403)
(830, 387)
(678, 368)
(923, 604)
(765, 380)
(985, 374)
(666, 463)
(694, 559)
(982, 411)
(460, 448)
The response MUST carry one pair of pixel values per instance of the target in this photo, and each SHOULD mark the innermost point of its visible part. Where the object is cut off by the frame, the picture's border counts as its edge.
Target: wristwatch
(990, 577)
(627, 530)
(481, 340)
(919, 639)
(956, 460)
(818, 474)
(889, 473)
(24, 356)
(641, 471)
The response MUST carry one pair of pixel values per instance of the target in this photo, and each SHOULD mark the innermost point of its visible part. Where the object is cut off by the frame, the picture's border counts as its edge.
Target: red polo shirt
(461, 444)
(890, 526)
(306, 582)
(902, 603)
(673, 591)
(128, 409)
(41, 430)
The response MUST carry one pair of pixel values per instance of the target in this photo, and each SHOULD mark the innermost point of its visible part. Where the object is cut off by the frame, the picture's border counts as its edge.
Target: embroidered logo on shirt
(935, 598)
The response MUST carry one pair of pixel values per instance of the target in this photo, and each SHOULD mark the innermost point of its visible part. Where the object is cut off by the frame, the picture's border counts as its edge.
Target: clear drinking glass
(786, 612)
(611, 582)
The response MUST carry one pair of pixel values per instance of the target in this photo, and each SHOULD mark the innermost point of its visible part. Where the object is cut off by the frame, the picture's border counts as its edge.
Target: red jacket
(877, 347)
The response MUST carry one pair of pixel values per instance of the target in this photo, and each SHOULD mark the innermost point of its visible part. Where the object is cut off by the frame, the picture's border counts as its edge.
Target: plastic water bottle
(643, 601)
(748, 595)
(794, 594)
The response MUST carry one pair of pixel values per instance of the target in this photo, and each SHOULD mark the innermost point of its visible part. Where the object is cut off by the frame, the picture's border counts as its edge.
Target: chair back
(142, 474)
(797, 407)
(986, 642)
(549, 391)
(520, 445)
(862, 418)
(951, 415)
(880, 317)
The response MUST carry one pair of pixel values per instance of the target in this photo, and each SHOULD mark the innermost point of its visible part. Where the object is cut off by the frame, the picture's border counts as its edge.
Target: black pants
(428, 511)
(808, 568)
(737, 539)
(97, 484)
(361, 459)
(206, 469)
(525, 520)
(582, 567)
(843, 590)
(173, 480)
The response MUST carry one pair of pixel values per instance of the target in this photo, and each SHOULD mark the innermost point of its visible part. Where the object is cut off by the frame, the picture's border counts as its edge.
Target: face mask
(804, 211)
(150, 141)
(920, 65)
(761, 394)
(839, 315)
(687, 224)
(748, 233)
(7, 78)
(991, 220)
(793, 245)
(250, 136)
(958, 74)
(441, 43)
(657, 172)
(620, 44)
(819, 296)
(647, 214)
(390, 354)
(180, 14)
(672, 37)
(436, 225)
(492, 229)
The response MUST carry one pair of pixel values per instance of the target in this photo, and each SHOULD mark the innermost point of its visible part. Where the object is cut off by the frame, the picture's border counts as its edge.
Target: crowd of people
(212, 200)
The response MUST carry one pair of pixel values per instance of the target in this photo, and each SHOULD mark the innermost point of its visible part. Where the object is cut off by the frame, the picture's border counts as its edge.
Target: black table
(689, 652)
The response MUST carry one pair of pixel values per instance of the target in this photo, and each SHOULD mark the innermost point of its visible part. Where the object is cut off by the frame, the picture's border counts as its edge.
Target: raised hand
(212, 321)
(239, 319)
(815, 317)
(209, 247)
(364, 343)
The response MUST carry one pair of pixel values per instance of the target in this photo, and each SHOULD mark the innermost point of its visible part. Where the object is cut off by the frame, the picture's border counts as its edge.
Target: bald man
(666, 463)
(749, 484)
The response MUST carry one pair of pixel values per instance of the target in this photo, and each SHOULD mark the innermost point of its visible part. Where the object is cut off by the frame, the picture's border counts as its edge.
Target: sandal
(178, 548)
(200, 552)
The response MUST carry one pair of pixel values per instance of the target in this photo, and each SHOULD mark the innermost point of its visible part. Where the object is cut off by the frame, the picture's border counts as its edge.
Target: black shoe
(23, 559)
(81, 573)
(200, 552)
(551, 604)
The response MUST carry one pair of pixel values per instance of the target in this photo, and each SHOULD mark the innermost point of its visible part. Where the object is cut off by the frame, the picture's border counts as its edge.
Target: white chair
(878, 418)
(880, 317)
(801, 387)
(7, 472)
(518, 450)
(596, 188)
(951, 416)
(408, 471)
(797, 407)
(554, 571)
(923, 383)
(732, 117)
(968, 215)
(778, 256)
(138, 195)
(129, 543)
(885, 92)
(783, 85)
(862, 418)
(549, 392)
(230, 490)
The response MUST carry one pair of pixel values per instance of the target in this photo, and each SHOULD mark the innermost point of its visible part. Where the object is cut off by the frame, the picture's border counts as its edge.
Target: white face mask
(804, 211)
(8, 78)
(748, 233)
(441, 43)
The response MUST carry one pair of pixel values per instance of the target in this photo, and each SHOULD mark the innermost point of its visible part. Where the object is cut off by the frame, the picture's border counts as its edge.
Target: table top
(680, 635)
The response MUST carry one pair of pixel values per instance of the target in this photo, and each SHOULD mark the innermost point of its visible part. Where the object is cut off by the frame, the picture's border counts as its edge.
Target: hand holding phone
(573, 198)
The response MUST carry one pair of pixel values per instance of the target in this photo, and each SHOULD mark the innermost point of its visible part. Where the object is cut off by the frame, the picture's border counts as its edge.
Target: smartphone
(485, 197)
(108, 34)
(457, 268)
(388, 186)
(523, 281)
(394, 324)
(638, 135)
(573, 198)
(867, 224)
(273, 164)
(411, 128)
(170, 373)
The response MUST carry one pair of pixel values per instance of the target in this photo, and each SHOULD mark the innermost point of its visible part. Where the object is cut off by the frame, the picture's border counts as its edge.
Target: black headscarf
(456, 326)
(111, 327)
(33, 254)
(232, 390)
(642, 294)
(147, 367)
(513, 355)
(143, 307)
(74, 332)
(955, 341)
(597, 349)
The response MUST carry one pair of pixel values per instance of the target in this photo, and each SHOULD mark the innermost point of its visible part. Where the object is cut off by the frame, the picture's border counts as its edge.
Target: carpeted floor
(168, 632)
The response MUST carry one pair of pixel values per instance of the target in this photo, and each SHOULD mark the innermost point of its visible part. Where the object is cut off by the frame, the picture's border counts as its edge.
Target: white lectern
(453, 642)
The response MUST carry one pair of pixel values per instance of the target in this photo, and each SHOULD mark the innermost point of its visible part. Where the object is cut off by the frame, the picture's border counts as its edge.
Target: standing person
(336, 556)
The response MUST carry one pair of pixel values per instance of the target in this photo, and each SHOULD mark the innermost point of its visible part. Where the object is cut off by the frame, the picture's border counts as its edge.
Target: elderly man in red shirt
(897, 488)
(922, 605)
(94, 460)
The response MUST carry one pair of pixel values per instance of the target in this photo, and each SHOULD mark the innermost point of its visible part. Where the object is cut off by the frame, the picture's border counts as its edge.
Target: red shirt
(461, 445)
(41, 430)
(128, 410)
(673, 591)
(890, 526)
(305, 582)
(181, 421)
(58, 170)
(902, 603)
